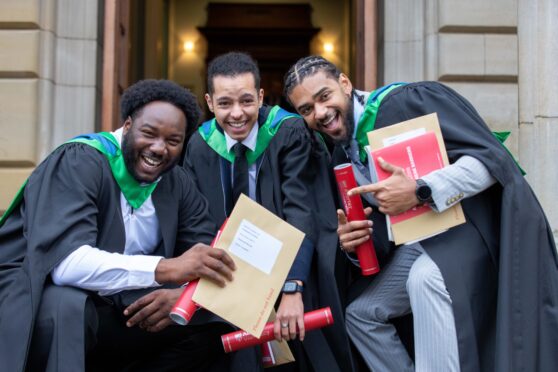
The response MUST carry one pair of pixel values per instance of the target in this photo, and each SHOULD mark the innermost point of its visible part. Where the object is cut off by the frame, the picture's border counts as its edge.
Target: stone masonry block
(18, 120)
(497, 105)
(461, 54)
(12, 179)
(77, 19)
(20, 11)
(76, 62)
(19, 51)
(477, 13)
(501, 55)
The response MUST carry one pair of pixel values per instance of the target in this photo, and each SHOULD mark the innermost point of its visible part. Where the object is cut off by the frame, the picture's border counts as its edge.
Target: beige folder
(430, 223)
(263, 247)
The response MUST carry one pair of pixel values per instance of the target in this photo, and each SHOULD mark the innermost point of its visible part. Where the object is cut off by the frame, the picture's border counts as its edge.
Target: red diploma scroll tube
(184, 309)
(239, 340)
(355, 212)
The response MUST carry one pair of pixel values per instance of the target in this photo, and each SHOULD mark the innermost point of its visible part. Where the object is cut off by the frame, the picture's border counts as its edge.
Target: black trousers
(73, 330)
(175, 348)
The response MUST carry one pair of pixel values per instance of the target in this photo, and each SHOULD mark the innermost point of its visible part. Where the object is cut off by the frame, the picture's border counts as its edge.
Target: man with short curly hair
(270, 155)
(99, 226)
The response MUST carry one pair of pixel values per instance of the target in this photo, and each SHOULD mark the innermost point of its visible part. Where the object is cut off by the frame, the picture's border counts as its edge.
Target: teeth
(325, 124)
(151, 161)
(236, 125)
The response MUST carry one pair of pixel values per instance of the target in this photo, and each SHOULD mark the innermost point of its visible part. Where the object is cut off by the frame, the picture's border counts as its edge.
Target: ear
(260, 97)
(209, 101)
(127, 125)
(345, 83)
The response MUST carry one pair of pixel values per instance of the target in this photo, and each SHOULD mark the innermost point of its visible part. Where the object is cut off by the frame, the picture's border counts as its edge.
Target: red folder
(417, 156)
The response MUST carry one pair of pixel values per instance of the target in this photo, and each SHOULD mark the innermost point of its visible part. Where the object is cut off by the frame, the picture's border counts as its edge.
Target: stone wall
(499, 54)
(470, 46)
(49, 72)
(538, 100)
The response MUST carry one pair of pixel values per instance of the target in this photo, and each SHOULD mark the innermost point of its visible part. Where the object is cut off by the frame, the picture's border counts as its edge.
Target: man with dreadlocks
(484, 295)
(267, 153)
(106, 219)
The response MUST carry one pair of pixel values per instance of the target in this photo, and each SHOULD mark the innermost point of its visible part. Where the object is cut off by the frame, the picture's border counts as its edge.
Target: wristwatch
(423, 192)
(291, 286)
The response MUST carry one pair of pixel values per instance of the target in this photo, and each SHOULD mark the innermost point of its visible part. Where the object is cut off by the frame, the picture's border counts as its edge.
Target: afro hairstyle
(146, 91)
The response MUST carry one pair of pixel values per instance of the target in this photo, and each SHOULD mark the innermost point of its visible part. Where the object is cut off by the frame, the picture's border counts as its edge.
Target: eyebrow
(154, 128)
(243, 96)
(149, 126)
(302, 107)
(319, 92)
(247, 95)
(314, 96)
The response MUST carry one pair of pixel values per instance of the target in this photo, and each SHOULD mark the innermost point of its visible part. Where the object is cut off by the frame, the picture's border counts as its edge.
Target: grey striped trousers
(410, 280)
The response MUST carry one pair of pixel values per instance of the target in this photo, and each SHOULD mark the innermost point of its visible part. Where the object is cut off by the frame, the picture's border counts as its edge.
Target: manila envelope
(263, 247)
(281, 352)
(430, 223)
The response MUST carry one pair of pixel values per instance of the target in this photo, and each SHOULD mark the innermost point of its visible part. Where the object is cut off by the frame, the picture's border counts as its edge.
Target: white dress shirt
(250, 142)
(107, 273)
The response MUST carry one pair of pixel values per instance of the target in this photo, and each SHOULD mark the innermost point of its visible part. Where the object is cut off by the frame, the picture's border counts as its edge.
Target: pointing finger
(341, 218)
(363, 189)
(388, 167)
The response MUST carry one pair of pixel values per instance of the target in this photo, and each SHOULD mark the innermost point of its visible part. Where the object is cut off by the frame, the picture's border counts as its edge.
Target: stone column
(538, 100)
(49, 89)
(77, 69)
(404, 51)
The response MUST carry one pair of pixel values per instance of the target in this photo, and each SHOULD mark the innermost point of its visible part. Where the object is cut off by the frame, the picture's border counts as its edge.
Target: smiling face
(153, 141)
(325, 104)
(235, 102)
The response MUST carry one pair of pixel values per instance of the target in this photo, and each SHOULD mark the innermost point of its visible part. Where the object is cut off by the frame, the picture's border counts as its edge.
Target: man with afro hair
(98, 228)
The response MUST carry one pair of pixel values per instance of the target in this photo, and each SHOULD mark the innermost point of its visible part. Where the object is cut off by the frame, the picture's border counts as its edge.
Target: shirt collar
(118, 135)
(249, 141)
(358, 108)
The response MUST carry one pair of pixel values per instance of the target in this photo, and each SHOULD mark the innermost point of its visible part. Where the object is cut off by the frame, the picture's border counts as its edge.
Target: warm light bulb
(188, 46)
(328, 47)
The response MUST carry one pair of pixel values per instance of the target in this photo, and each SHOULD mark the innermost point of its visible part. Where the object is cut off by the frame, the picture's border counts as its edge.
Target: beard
(131, 155)
(349, 122)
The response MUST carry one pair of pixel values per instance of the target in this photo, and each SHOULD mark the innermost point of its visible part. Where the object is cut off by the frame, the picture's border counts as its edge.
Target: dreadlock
(305, 67)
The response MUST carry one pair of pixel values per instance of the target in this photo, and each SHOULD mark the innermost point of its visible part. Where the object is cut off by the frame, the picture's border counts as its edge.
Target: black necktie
(240, 172)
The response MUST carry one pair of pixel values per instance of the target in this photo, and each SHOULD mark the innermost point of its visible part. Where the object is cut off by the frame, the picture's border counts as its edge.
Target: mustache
(150, 154)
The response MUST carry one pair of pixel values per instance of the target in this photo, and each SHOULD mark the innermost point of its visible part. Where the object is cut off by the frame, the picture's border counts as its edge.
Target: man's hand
(289, 315)
(354, 233)
(151, 312)
(396, 194)
(200, 261)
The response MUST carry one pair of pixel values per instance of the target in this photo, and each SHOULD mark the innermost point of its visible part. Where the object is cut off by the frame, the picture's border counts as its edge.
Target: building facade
(63, 64)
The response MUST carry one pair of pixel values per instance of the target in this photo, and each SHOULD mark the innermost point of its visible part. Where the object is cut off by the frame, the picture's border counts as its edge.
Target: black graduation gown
(500, 267)
(72, 199)
(292, 182)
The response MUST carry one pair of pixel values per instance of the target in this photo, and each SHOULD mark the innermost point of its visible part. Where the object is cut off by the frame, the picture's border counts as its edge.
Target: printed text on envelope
(255, 246)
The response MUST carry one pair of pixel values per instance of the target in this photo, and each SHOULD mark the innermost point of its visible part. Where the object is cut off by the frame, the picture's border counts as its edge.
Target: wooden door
(276, 35)
(115, 60)
(365, 17)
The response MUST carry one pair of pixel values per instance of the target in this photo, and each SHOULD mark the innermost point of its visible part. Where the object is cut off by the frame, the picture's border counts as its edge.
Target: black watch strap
(291, 286)
(423, 192)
